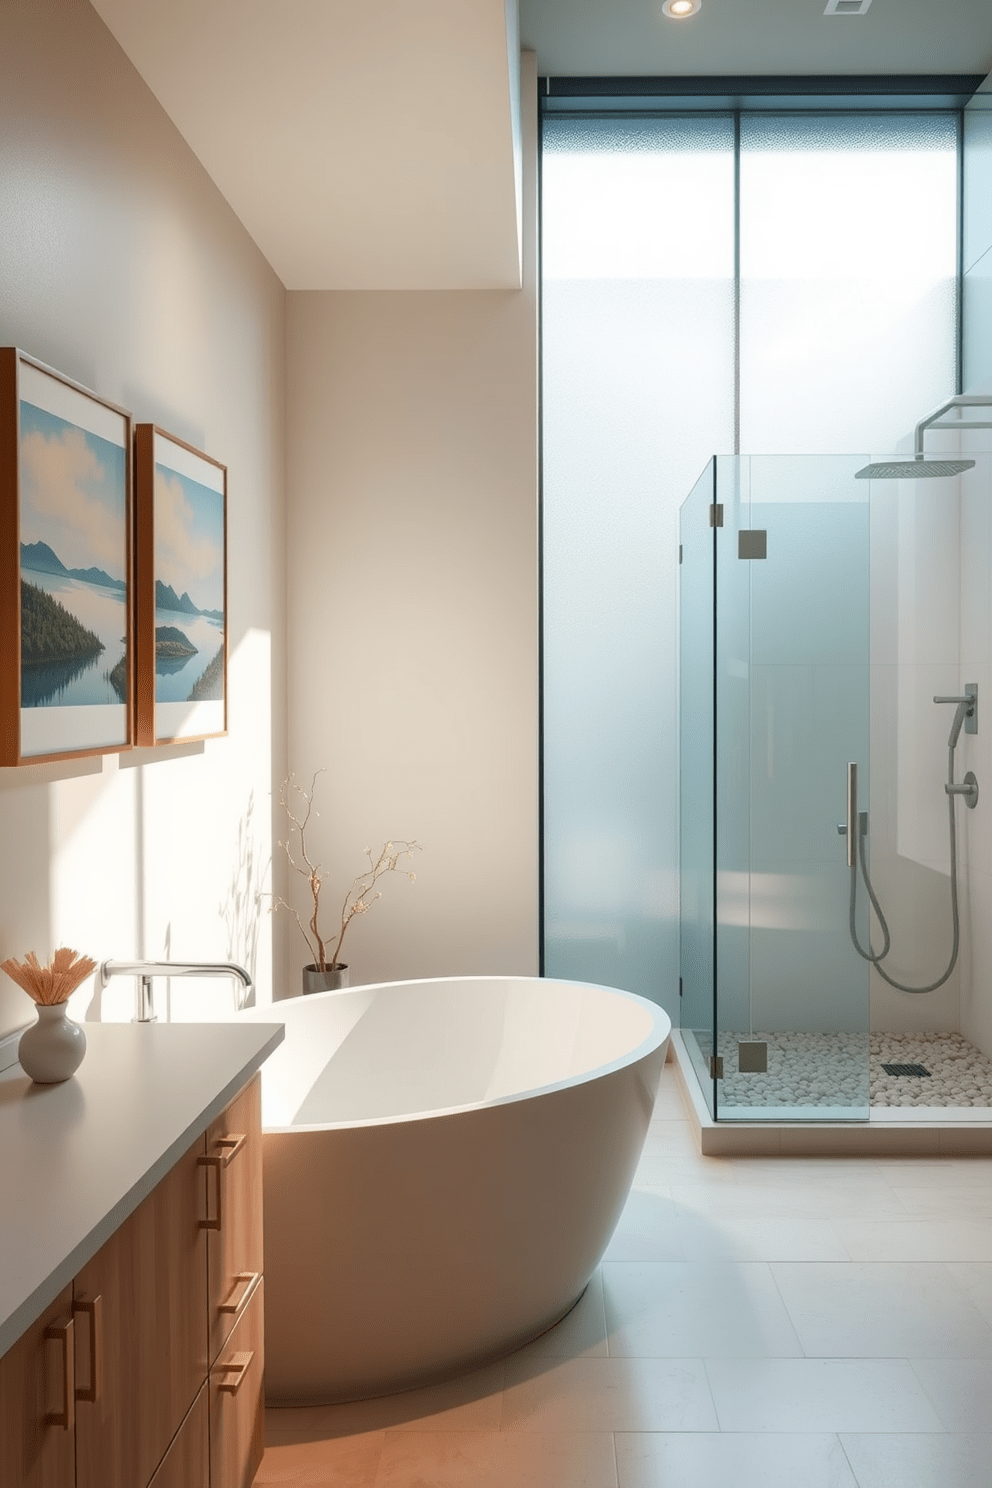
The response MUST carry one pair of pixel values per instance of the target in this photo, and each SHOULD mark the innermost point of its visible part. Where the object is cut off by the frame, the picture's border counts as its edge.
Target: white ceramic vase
(52, 1049)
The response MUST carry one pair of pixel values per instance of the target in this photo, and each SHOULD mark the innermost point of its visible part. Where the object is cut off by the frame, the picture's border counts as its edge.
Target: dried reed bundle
(53, 983)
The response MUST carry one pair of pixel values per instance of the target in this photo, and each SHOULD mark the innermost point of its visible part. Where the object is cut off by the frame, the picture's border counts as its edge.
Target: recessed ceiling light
(846, 7)
(677, 10)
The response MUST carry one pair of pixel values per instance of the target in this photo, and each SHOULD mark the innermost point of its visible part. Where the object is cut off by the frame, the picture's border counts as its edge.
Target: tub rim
(653, 1041)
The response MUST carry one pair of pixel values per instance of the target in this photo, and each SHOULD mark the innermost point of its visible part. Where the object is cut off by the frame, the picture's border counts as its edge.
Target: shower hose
(876, 958)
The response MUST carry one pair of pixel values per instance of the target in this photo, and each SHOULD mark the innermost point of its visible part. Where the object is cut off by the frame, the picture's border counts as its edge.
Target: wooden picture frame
(66, 591)
(181, 590)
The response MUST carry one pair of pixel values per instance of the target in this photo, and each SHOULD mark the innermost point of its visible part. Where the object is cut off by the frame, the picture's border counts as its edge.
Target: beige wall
(122, 266)
(412, 609)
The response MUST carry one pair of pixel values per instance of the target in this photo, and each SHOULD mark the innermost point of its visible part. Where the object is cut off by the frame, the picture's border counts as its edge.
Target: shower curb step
(880, 1136)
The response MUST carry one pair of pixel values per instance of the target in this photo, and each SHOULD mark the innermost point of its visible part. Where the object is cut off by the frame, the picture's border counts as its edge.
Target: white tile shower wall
(975, 752)
(916, 547)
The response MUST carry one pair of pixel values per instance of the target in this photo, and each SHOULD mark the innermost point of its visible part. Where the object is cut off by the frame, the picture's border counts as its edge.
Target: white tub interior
(415, 1048)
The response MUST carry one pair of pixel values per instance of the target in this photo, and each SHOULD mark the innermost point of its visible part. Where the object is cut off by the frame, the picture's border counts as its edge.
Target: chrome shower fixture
(936, 419)
(916, 469)
(966, 712)
(856, 830)
(919, 467)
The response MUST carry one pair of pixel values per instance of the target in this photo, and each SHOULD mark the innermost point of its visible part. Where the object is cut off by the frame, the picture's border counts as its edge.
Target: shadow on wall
(26, 828)
(243, 905)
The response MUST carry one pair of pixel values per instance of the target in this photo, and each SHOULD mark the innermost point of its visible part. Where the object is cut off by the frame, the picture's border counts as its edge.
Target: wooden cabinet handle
(213, 1162)
(237, 1366)
(229, 1148)
(240, 1292)
(62, 1332)
(94, 1308)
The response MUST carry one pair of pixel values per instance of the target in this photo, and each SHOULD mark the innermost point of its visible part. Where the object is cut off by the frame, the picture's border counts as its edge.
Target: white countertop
(77, 1158)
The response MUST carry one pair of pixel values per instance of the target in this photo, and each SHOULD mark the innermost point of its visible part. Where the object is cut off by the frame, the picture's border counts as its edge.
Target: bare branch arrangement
(298, 804)
(53, 983)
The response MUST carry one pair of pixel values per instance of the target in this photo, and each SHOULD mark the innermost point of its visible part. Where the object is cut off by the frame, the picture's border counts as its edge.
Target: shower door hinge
(680, 986)
(680, 552)
(716, 1066)
(716, 514)
(752, 542)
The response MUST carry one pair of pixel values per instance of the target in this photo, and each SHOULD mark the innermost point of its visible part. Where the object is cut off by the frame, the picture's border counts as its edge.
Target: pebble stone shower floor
(828, 1069)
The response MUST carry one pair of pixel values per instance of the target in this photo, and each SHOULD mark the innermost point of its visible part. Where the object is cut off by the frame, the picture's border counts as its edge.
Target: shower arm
(936, 420)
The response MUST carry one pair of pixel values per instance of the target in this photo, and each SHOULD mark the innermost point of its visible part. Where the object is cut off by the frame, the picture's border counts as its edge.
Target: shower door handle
(852, 814)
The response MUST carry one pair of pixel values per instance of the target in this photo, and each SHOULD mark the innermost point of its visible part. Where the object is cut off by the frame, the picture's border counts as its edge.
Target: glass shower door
(697, 824)
(792, 638)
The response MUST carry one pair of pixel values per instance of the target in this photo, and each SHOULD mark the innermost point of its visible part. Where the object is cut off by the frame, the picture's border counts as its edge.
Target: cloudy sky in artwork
(73, 492)
(189, 538)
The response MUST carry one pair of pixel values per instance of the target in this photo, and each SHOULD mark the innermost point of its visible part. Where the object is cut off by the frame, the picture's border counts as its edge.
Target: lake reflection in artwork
(181, 671)
(189, 583)
(73, 554)
(86, 679)
(176, 677)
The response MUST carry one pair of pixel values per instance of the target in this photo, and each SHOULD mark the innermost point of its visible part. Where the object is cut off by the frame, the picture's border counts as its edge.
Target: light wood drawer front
(236, 1403)
(151, 1344)
(37, 1452)
(234, 1183)
(187, 1462)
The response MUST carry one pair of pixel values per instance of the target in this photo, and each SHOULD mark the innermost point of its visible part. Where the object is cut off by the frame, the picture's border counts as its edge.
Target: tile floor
(756, 1322)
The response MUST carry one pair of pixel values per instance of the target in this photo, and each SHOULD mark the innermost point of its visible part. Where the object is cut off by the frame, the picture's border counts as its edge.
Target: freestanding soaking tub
(444, 1164)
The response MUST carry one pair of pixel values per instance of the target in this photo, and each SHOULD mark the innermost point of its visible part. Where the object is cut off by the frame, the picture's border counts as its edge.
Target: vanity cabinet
(233, 1162)
(37, 1403)
(148, 1369)
(234, 1198)
(187, 1462)
(140, 1311)
(237, 1407)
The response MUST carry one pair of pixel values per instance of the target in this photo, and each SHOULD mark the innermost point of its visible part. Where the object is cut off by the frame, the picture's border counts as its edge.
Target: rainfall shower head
(918, 469)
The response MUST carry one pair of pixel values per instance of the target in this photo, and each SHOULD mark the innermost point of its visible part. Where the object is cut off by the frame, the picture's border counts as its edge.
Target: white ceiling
(370, 144)
(364, 144)
(616, 38)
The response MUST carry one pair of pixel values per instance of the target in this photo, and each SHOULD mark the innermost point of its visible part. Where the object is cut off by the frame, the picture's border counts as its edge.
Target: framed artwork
(66, 654)
(181, 590)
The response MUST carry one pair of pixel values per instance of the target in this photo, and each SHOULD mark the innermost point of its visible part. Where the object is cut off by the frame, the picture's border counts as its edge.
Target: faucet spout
(144, 1006)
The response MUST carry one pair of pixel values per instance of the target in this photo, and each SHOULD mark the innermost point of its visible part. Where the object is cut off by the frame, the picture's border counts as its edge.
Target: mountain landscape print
(73, 564)
(189, 582)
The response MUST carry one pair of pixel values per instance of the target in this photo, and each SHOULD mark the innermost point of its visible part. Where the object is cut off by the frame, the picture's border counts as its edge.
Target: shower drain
(906, 1069)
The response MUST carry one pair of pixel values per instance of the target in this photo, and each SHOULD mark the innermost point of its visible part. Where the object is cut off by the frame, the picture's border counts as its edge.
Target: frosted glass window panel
(630, 200)
(977, 315)
(637, 335)
(848, 278)
(977, 170)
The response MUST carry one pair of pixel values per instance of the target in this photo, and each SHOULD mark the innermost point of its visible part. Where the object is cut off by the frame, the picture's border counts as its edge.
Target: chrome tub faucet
(144, 1002)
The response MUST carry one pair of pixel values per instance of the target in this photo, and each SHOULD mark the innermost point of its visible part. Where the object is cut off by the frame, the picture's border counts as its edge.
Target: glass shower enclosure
(774, 700)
